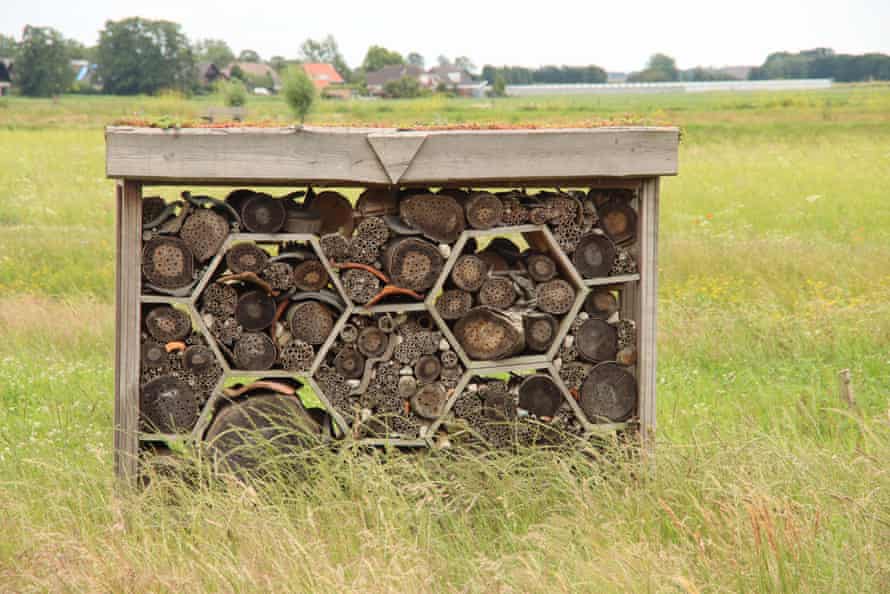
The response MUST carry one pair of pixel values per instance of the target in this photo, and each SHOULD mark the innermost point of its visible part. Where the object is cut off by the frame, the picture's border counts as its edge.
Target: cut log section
(594, 256)
(237, 198)
(541, 267)
(555, 296)
(335, 213)
(497, 292)
(539, 395)
(349, 362)
(199, 360)
(377, 202)
(429, 401)
(246, 257)
(484, 210)
(310, 275)
(204, 231)
(168, 263)
(540, 330)
(427, 369)
(437, 216)
(453, 304)
(153, 355)
(469, 272)
(372, 342)
(488, 334)
(255, 310)
(261, 213)
(168, 405)
(619, 221)
(310, 321)
(412, 263)
(167, 324)
(255, 352)
(609, 393)
(249, 432)
(601, 304)
(596, 341)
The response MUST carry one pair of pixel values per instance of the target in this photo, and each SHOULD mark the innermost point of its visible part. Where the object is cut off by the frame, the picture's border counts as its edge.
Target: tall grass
(774, 275)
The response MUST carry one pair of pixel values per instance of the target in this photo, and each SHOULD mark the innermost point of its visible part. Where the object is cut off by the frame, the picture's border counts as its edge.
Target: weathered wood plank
(189, 155)
(535, 154)
(127, 315)
(346, 155)
(647, 301)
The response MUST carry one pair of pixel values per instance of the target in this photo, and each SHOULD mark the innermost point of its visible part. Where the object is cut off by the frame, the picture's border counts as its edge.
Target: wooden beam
(326, 156)
(647, 301)
(128, 280)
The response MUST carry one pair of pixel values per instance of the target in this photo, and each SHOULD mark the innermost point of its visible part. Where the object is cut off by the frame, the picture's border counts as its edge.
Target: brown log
(255, 351)
(601, 304)
(166, 323)
(555, 296)
(198, 359)
(372, 342)
(619, 221)
(429, 401)
(427, 369)
(497, 292)
(310, 275)
(168, 263)
(255, 310)
(349, 362)
(412, 263)
(204, 231)
(168, 405)
(540, 330)
(541, 267)
(596, 341)
(469, 272)
(154, 355)
(246, 257)
(484, 210)
(377, 202)
(335, 212)
(539, 395)
(453, 304)
(594, 256)
(237, 198)
(261, 213)
(488, 334)
(310, 321)
(609, 394)
(437, 216)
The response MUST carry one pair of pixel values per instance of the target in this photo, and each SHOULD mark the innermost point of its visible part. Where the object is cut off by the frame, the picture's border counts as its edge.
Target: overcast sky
(618, 36)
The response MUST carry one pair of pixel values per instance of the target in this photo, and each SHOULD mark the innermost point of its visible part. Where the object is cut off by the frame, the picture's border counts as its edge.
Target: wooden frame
(633, 157)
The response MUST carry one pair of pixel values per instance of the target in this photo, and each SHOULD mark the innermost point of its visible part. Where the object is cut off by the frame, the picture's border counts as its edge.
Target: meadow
(774, 275)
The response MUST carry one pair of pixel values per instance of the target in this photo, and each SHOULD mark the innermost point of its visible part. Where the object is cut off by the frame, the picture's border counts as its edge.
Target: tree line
(143, 56)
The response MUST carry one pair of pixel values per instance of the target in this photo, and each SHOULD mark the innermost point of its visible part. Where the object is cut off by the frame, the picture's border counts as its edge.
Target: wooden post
(127, 314)
(647, 301)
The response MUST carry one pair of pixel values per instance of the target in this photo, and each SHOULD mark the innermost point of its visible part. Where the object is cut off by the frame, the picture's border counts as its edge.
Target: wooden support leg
(647, 303)
(127, 323)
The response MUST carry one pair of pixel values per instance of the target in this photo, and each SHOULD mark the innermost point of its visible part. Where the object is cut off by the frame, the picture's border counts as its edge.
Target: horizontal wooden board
(295, 155)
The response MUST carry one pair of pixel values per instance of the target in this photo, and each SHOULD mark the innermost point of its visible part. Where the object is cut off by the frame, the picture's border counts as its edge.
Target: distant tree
(518, 75)
(443, 60)
(238, 73)
(278, 63)
(137, 55)
(404, 88)
(78, 51)
(823, 63)
(9, 47)
(416, 59)
(43, 64)
(249, 55)
(325, 51)
(499, 88)
(215, 51)
(464, 63)
(299, 91)
(699, 74)
(233, 92)
(378, 57)
(660, 68)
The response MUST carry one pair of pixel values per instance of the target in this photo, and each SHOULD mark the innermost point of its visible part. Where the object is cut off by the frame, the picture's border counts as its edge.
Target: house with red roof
(326, 79)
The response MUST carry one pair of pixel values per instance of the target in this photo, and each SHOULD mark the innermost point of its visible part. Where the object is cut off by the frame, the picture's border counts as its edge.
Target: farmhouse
(262, 75)
(457, 79)
(377, 79)
(209, 73)
(327, 80)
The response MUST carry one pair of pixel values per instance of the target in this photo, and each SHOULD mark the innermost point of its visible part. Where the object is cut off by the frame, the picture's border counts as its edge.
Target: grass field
(774, 275)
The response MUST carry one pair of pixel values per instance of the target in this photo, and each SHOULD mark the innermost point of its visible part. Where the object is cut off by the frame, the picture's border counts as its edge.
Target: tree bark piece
(349, 362)
(310, 275)
(166, 324)
(429, 401)
(601, 304)
(609, 394)
(427, 369)
(255, 352)
(488, 334)
(168, 405)
(437, 216)
(261, 213)
(497, 292)
(484, 210)
(541, 267)
(540, 330)
(310, 321)
(168, 263)
(619, 221)
(255, 310)
(594, 256)
(469, 272)
(335, 212)
(204, 231)
(413, 263)
(596, 341)
(555, 296)
(539, 395)
(246, 257)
